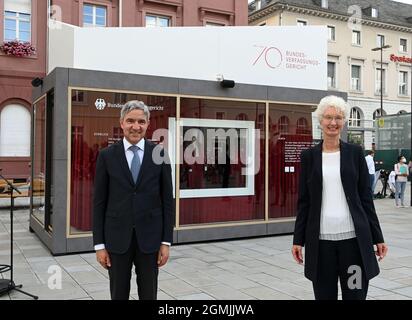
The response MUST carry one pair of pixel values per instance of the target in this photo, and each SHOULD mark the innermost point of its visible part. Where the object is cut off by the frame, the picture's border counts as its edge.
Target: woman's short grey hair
(332, 101)
(133, 105)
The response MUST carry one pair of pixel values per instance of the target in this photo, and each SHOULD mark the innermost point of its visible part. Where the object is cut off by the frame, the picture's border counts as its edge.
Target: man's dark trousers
(120, 273)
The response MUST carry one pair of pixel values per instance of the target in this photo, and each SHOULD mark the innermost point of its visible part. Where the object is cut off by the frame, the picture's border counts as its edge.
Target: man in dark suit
(133, 212)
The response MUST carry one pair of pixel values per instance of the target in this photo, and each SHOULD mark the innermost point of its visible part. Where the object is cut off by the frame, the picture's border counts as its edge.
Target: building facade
(25, 21)
(150, 13)
(355, 28)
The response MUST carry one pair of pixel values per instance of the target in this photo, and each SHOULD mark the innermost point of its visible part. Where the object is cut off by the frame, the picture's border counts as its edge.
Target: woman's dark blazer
(356, 184)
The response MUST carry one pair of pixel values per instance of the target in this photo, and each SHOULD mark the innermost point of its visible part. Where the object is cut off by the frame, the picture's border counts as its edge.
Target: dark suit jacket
(355, 179)
(121, 205)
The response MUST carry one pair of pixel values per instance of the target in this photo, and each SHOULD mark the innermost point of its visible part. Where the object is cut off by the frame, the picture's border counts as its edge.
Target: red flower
(17, 48)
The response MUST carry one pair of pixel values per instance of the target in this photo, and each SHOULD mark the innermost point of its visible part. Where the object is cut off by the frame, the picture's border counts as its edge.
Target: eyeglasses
(330, 118)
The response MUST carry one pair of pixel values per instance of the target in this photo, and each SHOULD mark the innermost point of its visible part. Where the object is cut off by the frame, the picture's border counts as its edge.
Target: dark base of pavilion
(182, 236)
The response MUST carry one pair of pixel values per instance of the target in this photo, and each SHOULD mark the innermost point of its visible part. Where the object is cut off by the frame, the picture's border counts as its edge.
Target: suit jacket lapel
(123, 162)
(147, 155)
(317, 163)
(343, 164)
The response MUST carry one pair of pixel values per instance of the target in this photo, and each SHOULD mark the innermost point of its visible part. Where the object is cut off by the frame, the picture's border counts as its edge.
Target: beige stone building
(355, 27)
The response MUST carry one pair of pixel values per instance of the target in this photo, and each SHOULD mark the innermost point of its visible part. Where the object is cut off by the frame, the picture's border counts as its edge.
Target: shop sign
(395, 58)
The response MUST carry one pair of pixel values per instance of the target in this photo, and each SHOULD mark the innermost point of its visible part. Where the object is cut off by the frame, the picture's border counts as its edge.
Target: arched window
(283, 124)
(302, 126)
(15, 131)
(377, 113)
(355, 118)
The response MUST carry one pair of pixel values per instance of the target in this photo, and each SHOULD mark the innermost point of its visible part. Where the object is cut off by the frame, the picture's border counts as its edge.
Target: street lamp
(381, 50)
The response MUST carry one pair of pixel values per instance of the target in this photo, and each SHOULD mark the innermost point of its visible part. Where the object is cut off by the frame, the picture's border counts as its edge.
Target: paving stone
(223, 292)
(198, 279)
(385, 284)
(256, 268)
(196, 296)
(176, 287)
(164, 296)
(406, 291)
(264, 293)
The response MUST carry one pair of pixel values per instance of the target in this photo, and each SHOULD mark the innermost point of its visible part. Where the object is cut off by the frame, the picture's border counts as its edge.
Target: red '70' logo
(271, 56)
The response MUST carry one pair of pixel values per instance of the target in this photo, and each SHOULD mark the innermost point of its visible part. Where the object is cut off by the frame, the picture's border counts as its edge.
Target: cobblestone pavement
(258, 268)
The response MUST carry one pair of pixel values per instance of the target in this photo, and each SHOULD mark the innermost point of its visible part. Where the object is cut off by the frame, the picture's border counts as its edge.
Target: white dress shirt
(129, 153)
(335, 219)
(129, 157)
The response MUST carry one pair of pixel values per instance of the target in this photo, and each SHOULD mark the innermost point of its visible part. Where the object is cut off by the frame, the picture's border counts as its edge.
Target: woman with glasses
(336, 221)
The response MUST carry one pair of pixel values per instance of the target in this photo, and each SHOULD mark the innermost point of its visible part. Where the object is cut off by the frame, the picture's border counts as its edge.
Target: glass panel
(380, 40)
(23, 16)
(101, 21)
(87, 9)
(290, 132)
(404, 76)
(80, 96)
(355, 72)
(377, 80)
(150, 21)
(10, 35)
(355, 118)
(380, 73)
(39, 160)
(403, 83)
(10, 14)
(356, 37)
(24, 36)
(50, 189)
(331, 74)
(403, 45)
(214, 186)
(87, 19)
(24, 26)
(163, 22)
(100, 12)
(90, 136)
(331, 31)
(355, 137)
(120, 98)
(10, 24)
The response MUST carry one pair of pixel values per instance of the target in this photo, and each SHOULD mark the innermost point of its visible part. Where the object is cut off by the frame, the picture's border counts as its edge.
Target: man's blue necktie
(135, 166)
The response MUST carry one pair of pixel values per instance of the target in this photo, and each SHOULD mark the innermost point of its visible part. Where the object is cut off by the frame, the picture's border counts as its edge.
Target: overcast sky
(404, 1)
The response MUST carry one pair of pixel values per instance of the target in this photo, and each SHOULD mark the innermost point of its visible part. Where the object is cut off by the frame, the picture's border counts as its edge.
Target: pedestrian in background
(401, 171)
(371, 168)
